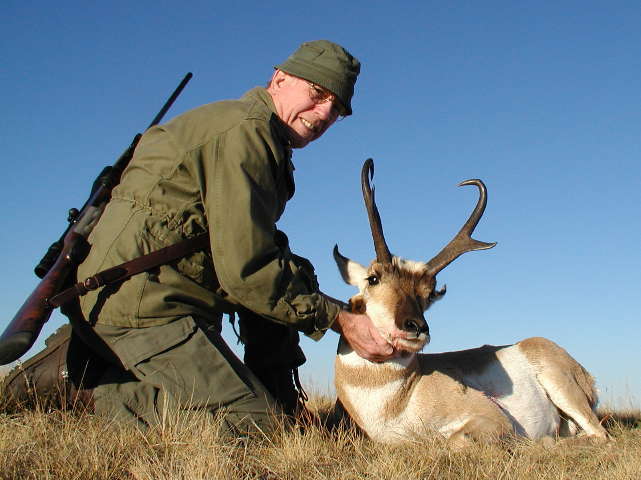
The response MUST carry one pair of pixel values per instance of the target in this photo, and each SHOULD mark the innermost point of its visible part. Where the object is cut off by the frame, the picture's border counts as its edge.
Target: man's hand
(363, 337)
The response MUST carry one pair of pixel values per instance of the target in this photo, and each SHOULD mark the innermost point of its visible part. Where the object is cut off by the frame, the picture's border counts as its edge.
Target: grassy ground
(52, 445)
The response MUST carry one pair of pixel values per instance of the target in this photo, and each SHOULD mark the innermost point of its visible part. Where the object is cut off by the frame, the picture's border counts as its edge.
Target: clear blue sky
(539, 99)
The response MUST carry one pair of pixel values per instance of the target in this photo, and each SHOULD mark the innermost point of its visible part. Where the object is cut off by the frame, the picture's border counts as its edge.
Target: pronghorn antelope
(533, 388)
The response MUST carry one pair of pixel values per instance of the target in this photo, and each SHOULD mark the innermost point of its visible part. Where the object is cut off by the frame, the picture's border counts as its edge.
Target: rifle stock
(24, 328)
(62, 258)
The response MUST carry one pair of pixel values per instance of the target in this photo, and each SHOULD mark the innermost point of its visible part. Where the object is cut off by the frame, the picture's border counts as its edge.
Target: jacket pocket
(138, 344)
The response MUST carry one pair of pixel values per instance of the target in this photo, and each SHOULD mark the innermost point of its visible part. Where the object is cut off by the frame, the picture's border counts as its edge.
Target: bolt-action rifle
(57, 268)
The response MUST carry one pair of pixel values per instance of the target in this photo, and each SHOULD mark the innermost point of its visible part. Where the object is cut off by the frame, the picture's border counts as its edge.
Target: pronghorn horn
(462, 242)
(383, 254)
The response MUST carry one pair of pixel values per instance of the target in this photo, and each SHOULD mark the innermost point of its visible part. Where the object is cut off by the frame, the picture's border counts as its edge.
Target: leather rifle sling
(128, 269)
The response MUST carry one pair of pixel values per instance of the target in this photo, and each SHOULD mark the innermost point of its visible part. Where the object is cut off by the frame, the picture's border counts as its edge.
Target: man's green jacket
(223, 167)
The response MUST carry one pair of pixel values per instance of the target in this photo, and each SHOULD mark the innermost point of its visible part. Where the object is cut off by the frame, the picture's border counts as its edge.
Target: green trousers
(177, 369)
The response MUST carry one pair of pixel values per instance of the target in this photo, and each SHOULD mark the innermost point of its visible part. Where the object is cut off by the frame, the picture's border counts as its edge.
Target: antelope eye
(372, 280)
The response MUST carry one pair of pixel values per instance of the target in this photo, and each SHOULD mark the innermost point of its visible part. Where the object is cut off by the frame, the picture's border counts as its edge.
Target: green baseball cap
(328, 65)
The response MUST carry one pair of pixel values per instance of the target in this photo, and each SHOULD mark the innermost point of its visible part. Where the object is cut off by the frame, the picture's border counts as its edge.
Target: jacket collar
(264, 97)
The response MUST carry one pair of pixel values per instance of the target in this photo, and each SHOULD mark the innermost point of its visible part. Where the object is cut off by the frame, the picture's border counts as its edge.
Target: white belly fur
(511, 383)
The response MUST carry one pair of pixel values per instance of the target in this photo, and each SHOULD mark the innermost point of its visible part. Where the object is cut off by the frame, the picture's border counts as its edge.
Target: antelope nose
(412, 325)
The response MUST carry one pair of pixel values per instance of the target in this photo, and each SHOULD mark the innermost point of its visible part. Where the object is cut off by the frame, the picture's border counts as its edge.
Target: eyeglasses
(320, 95)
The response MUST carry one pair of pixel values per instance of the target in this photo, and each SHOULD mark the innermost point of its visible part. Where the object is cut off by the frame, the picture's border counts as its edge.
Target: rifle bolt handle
(73, 215)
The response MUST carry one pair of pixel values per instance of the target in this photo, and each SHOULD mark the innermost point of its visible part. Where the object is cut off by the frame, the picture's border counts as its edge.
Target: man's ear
(278, 77)
(352, 272)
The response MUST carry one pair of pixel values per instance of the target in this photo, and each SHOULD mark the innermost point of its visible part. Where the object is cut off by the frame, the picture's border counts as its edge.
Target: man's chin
(298, 140)
(299, 144)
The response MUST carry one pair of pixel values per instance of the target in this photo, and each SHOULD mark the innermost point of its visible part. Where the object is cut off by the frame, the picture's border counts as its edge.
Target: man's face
(304, 107)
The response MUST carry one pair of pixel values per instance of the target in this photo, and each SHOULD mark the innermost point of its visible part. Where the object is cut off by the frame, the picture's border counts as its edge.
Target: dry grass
(75, 445)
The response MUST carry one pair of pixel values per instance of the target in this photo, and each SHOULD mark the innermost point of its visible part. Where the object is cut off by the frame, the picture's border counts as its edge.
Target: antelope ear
(353, 273)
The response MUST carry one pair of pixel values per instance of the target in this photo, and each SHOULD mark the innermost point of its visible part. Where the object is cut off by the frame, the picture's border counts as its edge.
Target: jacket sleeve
(243, 199)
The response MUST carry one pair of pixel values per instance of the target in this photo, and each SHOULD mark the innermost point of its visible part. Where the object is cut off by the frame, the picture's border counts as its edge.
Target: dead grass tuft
(76, 445)
(622, 418)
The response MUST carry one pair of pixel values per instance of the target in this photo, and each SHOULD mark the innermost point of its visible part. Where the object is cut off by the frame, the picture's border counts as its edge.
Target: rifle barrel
(170, 100)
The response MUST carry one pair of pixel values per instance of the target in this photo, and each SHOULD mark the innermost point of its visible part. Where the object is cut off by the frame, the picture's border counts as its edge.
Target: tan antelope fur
(533, 388)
